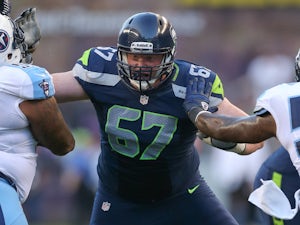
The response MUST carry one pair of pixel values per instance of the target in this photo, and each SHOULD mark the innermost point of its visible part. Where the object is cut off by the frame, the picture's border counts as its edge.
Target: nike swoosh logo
(192, 190)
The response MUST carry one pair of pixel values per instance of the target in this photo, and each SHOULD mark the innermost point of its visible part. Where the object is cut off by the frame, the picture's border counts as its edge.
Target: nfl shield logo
(105, 206)
(144, 99)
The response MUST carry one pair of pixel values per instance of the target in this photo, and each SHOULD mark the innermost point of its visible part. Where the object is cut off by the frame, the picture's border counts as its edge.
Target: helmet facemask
(144, 78)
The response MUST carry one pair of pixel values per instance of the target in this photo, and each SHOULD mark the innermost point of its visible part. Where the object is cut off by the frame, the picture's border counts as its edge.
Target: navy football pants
(200, 207)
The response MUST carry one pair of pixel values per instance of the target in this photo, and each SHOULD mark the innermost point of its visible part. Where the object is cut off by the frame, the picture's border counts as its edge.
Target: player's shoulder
(281, 91)
(26, 81)
(278, 95)
(184, 68)
(98, 65)
(96, 59)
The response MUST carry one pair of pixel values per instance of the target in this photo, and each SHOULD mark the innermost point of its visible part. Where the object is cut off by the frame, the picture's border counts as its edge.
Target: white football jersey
(17, 145)
(283, 102)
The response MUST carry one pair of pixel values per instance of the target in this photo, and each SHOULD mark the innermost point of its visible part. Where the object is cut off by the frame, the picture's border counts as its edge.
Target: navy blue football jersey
(147, 150)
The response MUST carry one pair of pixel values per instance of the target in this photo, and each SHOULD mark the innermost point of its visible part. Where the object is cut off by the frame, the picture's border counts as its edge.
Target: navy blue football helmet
(146, 33)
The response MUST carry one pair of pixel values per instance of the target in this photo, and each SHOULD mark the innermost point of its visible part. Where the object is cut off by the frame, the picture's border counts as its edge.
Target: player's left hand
(28, 24)
(196, 100)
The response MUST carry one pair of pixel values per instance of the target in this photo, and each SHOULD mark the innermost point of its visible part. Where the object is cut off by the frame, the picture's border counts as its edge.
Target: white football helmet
(11, 41)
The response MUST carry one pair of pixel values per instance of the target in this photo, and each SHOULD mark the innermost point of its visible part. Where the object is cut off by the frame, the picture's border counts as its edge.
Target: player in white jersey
(29, 117)
(277, 114)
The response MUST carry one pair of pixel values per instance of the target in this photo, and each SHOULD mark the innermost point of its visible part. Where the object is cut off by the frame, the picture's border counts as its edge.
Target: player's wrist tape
(238, 148)
(195, 112)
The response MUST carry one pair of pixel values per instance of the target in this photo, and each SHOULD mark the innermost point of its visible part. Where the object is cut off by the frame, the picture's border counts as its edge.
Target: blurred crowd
(251, 50)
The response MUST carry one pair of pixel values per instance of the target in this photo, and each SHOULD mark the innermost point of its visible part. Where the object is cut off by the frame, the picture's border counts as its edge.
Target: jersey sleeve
(94, 59)
(217, 88)
(180, 80)
(98, 66)
(217, 92)
(27, 81)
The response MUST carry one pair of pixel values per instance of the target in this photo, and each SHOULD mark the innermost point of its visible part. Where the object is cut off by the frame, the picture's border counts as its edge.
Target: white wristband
(239, 148)
(199, 113)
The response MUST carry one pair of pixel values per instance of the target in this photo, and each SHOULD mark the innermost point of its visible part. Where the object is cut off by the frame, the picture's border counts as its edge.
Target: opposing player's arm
(227, 108)
(48, 126)
(249, 129)
(67, 87)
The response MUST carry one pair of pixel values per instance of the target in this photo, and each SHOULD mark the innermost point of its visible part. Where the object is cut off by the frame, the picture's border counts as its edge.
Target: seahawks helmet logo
(4, 41)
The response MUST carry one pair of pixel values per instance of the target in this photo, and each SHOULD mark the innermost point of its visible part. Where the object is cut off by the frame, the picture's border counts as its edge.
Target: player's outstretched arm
(248, 129)
(48, 126)
(67, 88)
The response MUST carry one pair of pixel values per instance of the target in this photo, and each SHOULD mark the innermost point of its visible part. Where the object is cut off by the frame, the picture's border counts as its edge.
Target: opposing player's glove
(28, 24)
(196, 100)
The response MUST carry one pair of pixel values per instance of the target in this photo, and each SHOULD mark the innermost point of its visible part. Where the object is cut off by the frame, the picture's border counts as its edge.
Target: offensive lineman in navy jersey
(148, 166)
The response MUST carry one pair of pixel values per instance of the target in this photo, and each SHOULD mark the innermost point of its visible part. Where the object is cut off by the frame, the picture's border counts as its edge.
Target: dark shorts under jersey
(197, 206)
(279, 168)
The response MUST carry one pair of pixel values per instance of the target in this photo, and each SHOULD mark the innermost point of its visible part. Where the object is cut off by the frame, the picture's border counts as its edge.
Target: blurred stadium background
(250, 44)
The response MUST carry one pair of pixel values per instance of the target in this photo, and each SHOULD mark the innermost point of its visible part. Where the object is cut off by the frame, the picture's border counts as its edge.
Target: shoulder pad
(27, 81)
(183, 68)
(93, 59)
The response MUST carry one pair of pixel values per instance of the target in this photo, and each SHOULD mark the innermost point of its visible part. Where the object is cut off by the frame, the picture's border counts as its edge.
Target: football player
(29, 117)
(148, 166)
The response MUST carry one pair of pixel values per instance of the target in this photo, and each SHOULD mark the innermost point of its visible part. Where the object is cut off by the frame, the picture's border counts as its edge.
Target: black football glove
(196, 100)
(28, 24)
